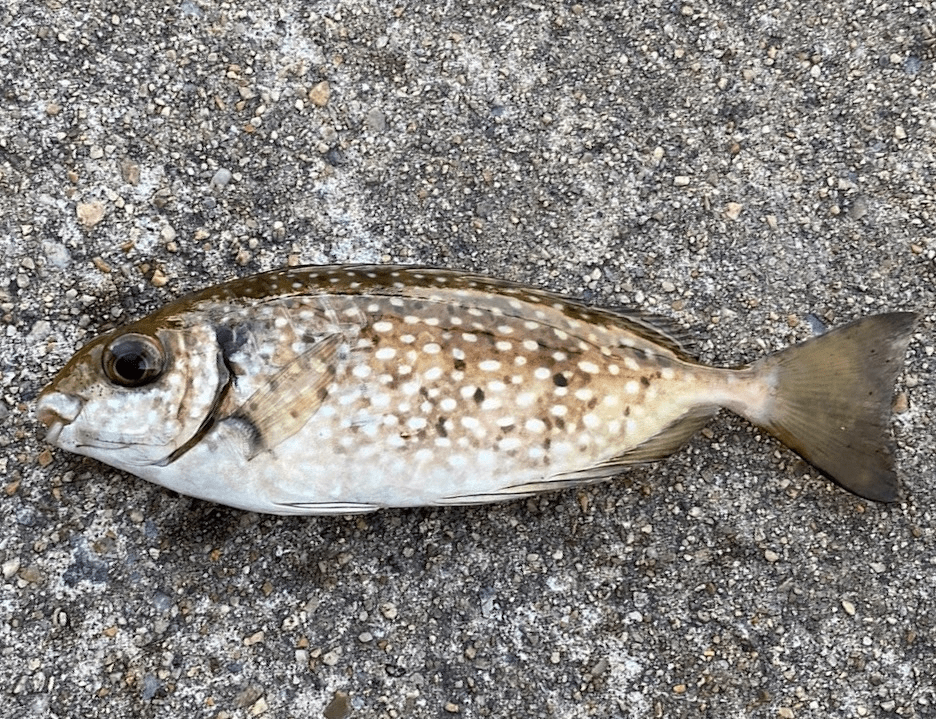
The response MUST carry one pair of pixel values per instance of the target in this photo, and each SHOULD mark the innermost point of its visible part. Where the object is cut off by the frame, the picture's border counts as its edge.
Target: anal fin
(670, 439)
(327, 507)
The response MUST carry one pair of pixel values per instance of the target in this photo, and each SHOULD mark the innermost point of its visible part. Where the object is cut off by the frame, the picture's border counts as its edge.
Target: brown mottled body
(339, 389)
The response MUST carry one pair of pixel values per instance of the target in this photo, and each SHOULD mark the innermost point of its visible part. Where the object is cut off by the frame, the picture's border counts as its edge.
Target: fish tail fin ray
(832, 397)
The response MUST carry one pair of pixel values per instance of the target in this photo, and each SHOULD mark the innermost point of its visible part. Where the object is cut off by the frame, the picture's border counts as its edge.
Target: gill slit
(210, 419)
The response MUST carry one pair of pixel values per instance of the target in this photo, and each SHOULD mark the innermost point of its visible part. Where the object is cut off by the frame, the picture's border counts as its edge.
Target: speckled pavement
(756, 172)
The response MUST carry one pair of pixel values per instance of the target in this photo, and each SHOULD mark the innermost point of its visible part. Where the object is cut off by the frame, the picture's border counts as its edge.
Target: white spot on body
(591, 421)
(383, 326)
(668, 373)
(456, 461)
(385, 353)
(509, 443)
(632, 387)
(589, 367)
(535, 425)
(541, 373)
(361, 371)
(525, 399)
(448, 404)
(379, 401)
(432, 348)
(489, 365)
(433, 373)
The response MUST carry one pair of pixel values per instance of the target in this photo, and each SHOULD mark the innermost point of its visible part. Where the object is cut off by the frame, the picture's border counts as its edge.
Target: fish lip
(57, 410)
(53, 431)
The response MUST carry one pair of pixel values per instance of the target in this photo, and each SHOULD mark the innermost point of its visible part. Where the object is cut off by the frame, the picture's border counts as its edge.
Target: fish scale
(350, 388)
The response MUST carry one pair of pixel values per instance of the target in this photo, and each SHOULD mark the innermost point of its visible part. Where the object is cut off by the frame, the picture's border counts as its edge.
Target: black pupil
(131, 362)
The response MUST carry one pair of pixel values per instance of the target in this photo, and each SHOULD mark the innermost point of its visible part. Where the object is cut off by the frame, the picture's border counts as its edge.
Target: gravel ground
(757, 174)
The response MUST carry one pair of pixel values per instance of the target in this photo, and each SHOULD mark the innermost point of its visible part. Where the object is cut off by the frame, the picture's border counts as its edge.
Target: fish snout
(56, 410)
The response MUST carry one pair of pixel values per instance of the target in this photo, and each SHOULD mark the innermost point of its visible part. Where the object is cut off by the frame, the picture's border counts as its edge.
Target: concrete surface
(755, 171)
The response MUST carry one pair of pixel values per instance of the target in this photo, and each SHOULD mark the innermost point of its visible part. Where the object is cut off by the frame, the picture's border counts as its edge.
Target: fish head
(136, 396)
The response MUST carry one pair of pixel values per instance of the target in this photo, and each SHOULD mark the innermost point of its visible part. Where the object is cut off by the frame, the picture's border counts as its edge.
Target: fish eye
(133, 360)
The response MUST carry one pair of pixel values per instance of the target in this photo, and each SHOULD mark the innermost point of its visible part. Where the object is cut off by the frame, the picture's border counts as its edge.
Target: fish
(344, 389)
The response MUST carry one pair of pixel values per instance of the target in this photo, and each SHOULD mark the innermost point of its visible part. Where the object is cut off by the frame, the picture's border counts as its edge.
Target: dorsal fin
(659, 329)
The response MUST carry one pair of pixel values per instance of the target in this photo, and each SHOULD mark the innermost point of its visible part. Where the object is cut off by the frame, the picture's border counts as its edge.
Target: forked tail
(831, 400)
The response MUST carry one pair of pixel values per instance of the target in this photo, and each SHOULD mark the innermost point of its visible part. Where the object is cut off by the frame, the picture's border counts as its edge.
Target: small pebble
(320, 94)
(389, 610)
(221, 178)
(848, 607)
(901, 403)
(11, 567)
(339, 707)
(259, 707)
(89, 213)
(331, 658)
(733, 210)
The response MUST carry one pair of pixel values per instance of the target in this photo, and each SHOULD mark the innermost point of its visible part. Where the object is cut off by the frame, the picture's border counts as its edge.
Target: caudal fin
(832, 398)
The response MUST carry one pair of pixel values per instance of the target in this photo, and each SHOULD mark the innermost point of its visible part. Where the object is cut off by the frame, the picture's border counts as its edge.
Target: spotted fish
(342, 389)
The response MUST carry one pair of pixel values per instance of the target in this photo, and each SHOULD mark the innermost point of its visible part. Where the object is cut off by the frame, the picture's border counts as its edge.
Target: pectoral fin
(277, 411)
